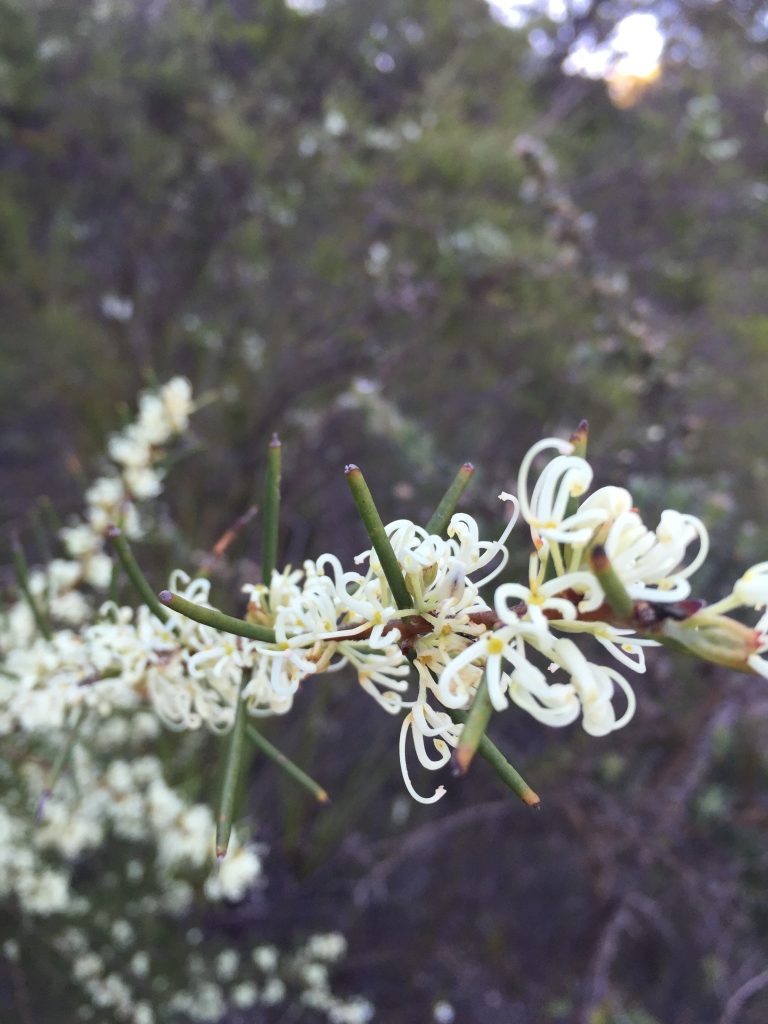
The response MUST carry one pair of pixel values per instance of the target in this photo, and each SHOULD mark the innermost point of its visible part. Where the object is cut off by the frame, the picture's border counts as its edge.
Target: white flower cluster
(270, 977)
(121, 976)
(108, 806)
(522, 642)
(522, 651)
(57, 588)
(88, 686)
(136, 475)
(130, 801)
(525, 642)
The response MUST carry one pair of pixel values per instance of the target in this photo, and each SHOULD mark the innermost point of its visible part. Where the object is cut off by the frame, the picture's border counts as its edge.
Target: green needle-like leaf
(114, 580)
(50, 515)
(375, 528)
(474, 728)
(61, 761)
(447, 506)
(508, 775)
(216, 619)
(35, 517)
(22, 575)
(134, 573)
(288, 766)
(615, 592)
(232, 771)
(271, 511)
(578, 439)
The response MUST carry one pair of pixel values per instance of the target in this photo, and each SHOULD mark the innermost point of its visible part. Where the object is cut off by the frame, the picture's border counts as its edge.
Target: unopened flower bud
(715, 638)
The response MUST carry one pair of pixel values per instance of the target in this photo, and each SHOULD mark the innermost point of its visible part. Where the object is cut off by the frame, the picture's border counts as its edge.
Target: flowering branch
(416, 620)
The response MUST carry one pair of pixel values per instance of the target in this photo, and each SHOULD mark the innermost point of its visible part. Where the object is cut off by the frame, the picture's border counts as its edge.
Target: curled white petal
(439, 792)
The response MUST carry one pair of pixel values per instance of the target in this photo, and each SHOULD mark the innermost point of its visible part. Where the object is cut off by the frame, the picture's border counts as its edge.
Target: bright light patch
(517, 13)
(305, 6)
(633, 50)
(629, 60)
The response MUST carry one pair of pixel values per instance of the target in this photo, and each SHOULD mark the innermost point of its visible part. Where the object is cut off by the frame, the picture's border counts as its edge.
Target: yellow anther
(495, 645)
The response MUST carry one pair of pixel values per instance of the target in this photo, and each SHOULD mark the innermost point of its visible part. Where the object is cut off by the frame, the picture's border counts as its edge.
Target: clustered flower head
(422, 618)
(525, 643)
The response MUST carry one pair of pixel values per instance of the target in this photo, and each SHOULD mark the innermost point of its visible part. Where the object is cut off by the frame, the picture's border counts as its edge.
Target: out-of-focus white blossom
(235, 874)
